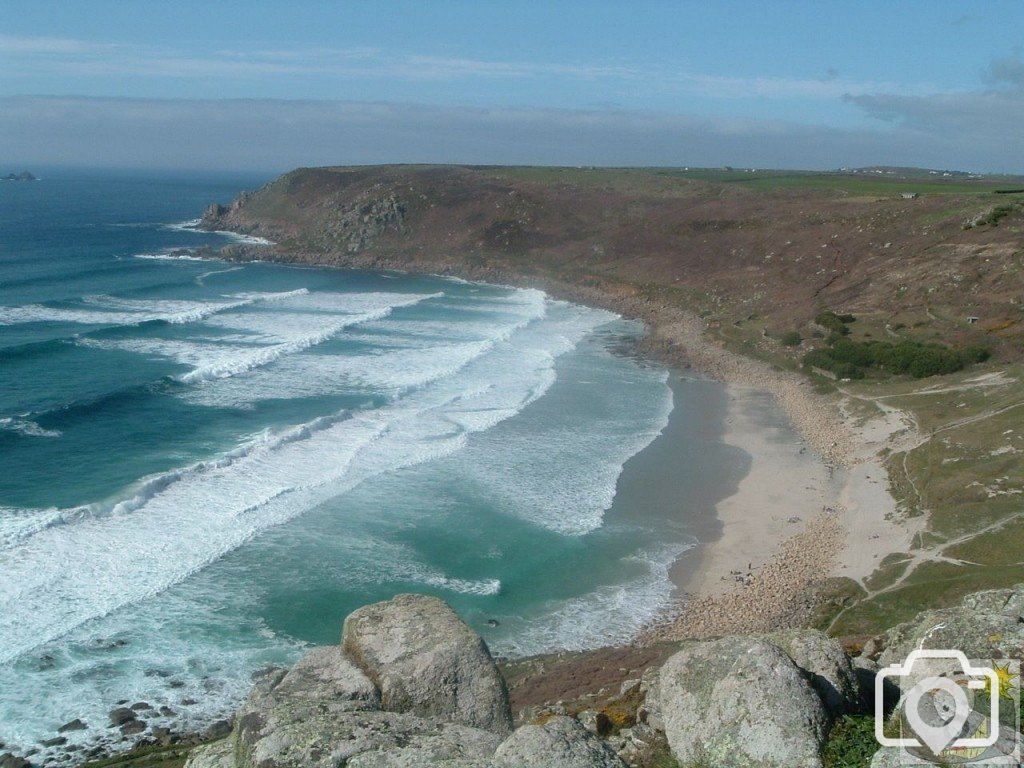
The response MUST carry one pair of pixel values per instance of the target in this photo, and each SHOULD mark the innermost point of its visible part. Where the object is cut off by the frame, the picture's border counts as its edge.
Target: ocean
(204, 466)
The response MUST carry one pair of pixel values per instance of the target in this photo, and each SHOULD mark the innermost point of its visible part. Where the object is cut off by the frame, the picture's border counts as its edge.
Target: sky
(272, 85)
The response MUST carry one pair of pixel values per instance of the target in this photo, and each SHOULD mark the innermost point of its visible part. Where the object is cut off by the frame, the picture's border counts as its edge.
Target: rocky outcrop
(411, 686)
(347, 706)
(827, 667)
(561, 741)
(741, 702)
(985, 625)
(217, 216)
(218, 755)
(354, 227)
(426, 661)
(320, 740)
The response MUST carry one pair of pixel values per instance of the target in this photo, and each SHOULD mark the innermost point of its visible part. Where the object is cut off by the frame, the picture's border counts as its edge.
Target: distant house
(908, 195)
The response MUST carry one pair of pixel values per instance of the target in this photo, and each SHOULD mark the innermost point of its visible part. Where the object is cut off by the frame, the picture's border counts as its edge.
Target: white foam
(409, 364)
(19, 524)
(186, 226)
(192, 225)
(194, 667)
(112, 310)
(178, 523)
(319, 328)
(465, 586)
(168, 257)
(198, 354)
(201, 279)
(570, 496)
(26, 427)
(240, 238)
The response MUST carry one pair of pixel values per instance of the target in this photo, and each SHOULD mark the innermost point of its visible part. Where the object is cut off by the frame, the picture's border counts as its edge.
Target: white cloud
(11, 44)
(31, 56)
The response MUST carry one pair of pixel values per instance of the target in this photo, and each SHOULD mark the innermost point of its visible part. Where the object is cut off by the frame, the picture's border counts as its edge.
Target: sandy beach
(785, 488)
(814, 504)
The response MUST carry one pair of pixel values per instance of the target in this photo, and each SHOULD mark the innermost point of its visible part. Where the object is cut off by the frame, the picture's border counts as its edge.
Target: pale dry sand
(873, 527)
(814, 504)
(786, 487)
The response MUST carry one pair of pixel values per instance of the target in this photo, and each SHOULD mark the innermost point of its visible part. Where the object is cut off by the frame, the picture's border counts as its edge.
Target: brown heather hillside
(758, 250)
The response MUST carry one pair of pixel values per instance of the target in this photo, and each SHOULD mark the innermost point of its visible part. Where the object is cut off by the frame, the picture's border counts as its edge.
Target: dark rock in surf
(120, 716)
(75, 725)
(133, 727)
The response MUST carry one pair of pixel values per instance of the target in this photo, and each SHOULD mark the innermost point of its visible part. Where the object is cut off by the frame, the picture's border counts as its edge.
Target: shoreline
(848, 519)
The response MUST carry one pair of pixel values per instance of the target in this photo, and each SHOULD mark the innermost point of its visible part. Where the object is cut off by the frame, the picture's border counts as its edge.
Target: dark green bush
(974, 354)
(791, 339)
(833, 322)
(849, 359)
(820, 358)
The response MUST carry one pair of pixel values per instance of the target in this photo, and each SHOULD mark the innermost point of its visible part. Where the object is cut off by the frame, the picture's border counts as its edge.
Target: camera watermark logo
(952, 710)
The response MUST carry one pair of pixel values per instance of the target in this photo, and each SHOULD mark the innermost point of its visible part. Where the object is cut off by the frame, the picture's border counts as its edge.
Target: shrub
(819, 358)
(791, 339)
(974, 354)
(830, 321)
(848, 359)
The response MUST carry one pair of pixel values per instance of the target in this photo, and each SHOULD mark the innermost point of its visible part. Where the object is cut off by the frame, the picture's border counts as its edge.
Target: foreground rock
(561, 741)
(219, 755)
(412, 686)
(326, 711)
(827, 666)
(428, 662)
(741, 702)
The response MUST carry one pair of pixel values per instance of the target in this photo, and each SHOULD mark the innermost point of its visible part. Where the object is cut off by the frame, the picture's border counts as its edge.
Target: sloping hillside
(767, 251)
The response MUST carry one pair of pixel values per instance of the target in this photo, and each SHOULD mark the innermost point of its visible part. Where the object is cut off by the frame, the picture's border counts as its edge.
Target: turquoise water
(206, 466)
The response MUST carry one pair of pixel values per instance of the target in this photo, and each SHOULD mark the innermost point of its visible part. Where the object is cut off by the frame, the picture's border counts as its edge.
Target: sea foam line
(168, 257)
(249, 360)
(192, 225)
(397, 371)
(112, 310)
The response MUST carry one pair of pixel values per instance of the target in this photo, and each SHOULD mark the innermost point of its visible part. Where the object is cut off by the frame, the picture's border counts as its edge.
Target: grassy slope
(756, 254)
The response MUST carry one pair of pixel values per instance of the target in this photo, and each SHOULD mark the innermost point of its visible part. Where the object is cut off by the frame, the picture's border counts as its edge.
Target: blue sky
(936, 83)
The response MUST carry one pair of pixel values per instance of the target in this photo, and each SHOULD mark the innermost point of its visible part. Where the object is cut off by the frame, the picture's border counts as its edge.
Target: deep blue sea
(205, 466)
